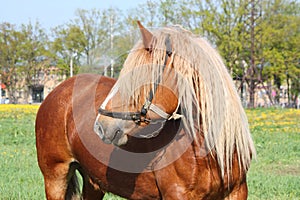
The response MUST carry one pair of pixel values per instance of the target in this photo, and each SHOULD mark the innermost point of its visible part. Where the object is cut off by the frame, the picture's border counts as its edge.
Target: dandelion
(16, 111)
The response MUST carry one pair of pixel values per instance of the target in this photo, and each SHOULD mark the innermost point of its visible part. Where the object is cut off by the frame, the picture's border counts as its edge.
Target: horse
(171, 127)
(171, 77)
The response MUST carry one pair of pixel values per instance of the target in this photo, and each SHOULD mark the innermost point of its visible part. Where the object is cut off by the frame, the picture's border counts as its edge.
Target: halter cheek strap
(163, 114)
(159, 111)
(148, 104)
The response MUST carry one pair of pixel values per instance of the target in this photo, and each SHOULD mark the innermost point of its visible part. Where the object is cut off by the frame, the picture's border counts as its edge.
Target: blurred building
(41, 85)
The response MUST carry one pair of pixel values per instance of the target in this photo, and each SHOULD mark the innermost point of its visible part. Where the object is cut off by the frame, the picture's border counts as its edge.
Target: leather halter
(139, 117)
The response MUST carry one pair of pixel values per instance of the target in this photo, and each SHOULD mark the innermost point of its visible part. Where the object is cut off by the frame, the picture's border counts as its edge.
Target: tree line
(258, 39)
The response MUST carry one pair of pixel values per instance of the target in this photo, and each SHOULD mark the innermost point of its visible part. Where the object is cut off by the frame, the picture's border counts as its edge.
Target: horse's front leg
(240, 192)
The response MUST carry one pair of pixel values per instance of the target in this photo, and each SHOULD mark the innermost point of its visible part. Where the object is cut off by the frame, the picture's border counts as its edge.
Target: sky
(51, 13)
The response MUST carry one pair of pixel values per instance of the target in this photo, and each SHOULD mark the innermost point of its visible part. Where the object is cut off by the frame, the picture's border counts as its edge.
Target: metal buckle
(145, 108)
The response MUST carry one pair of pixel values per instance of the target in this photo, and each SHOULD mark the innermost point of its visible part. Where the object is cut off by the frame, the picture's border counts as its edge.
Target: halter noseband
(139, 117)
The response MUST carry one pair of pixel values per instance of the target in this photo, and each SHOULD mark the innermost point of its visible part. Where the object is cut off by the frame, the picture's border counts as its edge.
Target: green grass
(274, 175)
(276, 172)
(20, 175)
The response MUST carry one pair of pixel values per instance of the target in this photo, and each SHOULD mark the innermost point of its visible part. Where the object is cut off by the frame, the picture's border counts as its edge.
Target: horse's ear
(147, 36)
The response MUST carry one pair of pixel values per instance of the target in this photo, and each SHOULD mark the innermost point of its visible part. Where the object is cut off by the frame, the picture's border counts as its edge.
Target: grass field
(274, 175)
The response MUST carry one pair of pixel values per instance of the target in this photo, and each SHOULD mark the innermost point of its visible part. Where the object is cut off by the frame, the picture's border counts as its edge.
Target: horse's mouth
(119, 138)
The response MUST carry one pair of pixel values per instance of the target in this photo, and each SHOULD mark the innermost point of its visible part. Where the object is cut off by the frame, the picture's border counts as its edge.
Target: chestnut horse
(171, 127)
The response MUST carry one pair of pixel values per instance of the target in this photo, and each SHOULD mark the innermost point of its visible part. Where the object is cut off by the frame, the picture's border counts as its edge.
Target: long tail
(74, 188)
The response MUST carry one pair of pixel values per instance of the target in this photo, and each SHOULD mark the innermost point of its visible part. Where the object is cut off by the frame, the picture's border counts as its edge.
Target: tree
(252, 76)
(34, 55)
(169, 12)
(281, 48)
(95, 25)
(98, 28)
(146, 12)
(68, 46)
(10, 51)
(247, 34)
(22, 55)
(225, 25)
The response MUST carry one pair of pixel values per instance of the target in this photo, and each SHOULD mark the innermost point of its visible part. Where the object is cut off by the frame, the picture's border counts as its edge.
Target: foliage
(10, 53)
(33, 55)
(23, 55)
(281, 49)
(274, 175)
(67, 46)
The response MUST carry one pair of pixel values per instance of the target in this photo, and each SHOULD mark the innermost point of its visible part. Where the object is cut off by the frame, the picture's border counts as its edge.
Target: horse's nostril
(119, 138)
(117, 134)
(98, 129)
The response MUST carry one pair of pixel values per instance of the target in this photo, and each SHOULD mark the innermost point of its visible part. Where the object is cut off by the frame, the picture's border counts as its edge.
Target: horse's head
(145, 95)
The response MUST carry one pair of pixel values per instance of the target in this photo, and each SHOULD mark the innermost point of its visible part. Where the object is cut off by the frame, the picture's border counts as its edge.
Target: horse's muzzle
(112, 135)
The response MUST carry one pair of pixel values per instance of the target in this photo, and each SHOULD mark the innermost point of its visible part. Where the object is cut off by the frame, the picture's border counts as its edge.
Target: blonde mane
(207, 96)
